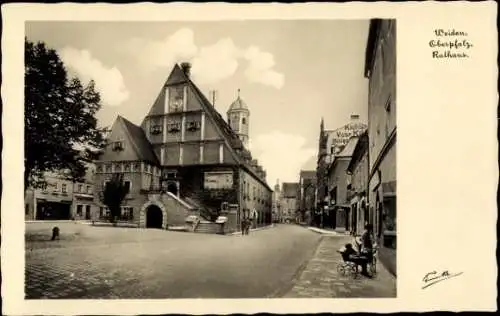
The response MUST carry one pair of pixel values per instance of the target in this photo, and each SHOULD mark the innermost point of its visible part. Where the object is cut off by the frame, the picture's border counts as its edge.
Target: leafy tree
(113, 195)
(60, 127)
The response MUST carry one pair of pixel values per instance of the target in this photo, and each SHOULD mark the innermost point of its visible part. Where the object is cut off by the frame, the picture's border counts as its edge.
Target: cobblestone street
(320, 278)
(105, 262)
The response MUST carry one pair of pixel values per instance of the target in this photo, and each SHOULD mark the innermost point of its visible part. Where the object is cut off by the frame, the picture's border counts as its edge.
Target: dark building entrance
(46, 210)
(154, 217)
(172, 188)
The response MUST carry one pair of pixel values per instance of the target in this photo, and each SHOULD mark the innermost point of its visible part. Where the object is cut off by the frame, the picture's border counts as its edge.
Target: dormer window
(117, 146)
(156, 129)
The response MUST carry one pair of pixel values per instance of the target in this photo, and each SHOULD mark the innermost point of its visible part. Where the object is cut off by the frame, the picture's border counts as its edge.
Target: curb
(254, 229)
(328, 233)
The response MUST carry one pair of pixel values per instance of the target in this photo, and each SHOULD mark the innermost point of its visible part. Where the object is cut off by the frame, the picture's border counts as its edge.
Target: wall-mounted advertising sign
(341, 136)
(218, 180)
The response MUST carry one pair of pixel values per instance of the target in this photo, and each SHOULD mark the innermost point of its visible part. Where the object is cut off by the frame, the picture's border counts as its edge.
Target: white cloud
(210, 64)
(215, 62)
(175, 48)
(109, 81)
(282, 155)
(260, 68)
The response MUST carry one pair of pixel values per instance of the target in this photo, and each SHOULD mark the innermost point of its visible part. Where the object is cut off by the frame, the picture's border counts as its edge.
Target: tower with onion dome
(238, 117)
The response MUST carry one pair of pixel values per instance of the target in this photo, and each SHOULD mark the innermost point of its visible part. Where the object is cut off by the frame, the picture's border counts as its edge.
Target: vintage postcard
(244, 158)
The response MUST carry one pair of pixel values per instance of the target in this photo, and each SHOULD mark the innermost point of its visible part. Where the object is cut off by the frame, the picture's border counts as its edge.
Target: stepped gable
(141, 145)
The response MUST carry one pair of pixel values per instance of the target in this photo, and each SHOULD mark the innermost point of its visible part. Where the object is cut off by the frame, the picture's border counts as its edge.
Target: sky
(291, 73)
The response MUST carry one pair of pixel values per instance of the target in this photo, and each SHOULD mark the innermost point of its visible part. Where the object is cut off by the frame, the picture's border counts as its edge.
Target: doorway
(154, 217)
(172, 188)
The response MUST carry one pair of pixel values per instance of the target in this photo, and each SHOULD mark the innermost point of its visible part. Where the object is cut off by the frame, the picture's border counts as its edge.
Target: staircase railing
(205, 212)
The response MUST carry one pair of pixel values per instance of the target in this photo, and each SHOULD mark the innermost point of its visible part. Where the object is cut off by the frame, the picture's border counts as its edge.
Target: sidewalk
(320, 278)
(256, 229)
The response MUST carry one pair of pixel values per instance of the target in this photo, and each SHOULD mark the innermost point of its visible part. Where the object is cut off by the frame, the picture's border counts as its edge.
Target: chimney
(354, 117)
(186, 67)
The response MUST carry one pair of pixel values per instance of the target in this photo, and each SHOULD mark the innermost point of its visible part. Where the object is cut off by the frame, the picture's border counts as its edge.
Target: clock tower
(238, 119)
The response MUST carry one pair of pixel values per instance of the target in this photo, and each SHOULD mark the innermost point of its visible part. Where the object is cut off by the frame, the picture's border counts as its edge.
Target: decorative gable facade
(193, 156)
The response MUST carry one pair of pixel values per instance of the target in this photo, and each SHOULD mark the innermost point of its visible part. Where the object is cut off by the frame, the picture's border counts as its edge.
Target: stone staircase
(207, 227)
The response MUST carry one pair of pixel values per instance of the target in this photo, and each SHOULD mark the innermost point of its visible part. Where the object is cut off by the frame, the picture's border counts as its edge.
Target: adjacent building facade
(357, 170)
(185, 159)
(306, 195)
(380, 69)
(331, 144)
(337, 213)
(61, 199)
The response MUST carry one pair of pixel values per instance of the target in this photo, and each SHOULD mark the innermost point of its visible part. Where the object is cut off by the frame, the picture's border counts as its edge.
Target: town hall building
(185, 159)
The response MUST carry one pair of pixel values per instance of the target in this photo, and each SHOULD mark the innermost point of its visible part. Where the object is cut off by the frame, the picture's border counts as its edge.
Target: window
(89, 189)
(243, 121)
(26, 209)
(176, 102)
(79, 210)
(193, 126)
(174, 127)
(80, 188)
(64, 189)
(171, 175)
(127, 213)
(127, 167)
(117, 146)
(128, 185)
(156, 129)
(108, 168)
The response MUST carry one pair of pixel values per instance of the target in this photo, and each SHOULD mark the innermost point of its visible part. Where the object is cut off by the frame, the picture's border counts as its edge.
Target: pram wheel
(373, 266)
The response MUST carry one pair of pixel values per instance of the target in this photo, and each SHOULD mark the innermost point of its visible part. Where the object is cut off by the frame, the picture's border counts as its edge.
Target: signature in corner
(434, 277)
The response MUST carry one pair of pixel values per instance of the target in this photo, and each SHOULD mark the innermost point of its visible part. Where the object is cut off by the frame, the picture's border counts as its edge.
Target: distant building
(306, 196)
(276, 208)
(185, 159)
(358, 185)
(61, 198)
(337, 215)
(380, 69)
(289, 201)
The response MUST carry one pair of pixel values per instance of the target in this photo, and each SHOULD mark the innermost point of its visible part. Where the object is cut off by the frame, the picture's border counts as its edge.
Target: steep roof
(236, 147)
(359, 151)
(141, 144)
(349, 147)
(290, 189)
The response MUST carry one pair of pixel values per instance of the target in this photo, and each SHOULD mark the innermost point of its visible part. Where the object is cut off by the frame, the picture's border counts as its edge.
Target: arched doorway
(172, 188)
(154, 217)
